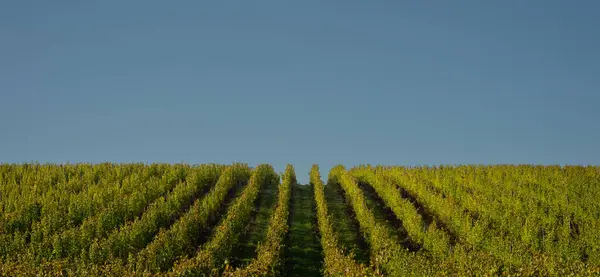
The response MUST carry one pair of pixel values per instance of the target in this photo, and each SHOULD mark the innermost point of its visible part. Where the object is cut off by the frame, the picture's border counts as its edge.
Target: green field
(235, 220)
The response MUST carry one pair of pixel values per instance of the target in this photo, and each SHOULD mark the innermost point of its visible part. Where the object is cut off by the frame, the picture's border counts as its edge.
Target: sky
(300, 82)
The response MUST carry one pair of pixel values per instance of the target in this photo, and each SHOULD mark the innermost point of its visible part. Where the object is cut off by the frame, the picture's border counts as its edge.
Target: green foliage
(75, 242)
(209, 260)
(161, 219)
(268, 261)
(387, 254)
(435, 240)
(336, 262)
(163, 212)
(520, 215)
(182, 238)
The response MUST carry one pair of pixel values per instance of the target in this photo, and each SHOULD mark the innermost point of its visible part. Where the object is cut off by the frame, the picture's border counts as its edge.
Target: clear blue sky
(328, 82)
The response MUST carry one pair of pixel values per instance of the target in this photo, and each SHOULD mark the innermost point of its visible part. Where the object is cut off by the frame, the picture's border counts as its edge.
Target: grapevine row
(269, 261)
(76, 241)
(67, 211)
(545, 200)
(336, 262)
(433, 239)
(46, 191)
(185, 234)
(137, 234)
(386, 253)
(210, 258)
(479, 233)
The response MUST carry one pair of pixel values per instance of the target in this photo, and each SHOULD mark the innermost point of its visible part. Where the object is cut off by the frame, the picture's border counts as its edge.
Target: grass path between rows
(303, 255)
(345, 223)
(256, 231)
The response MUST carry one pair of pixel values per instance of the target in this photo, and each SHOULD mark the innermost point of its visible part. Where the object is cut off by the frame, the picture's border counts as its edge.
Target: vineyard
(236, 220)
